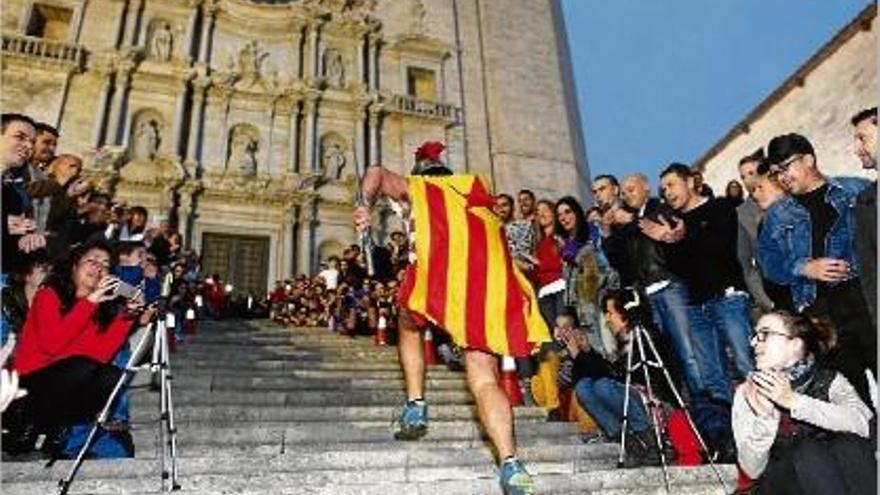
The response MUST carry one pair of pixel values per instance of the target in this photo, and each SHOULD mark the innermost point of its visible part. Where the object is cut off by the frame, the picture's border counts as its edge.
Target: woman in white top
(799, 427)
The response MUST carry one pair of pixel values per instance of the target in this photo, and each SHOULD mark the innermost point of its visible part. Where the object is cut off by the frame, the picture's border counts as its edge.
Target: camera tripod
(156, 337)
(641, 341)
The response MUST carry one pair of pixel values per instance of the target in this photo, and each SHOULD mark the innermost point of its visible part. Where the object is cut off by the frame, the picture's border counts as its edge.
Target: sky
(663, 80)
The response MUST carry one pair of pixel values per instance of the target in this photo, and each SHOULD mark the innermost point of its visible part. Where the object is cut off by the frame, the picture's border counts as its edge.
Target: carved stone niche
(334, 68)
(334, 160)
(147, 128)
(160, 40)
(243, 146)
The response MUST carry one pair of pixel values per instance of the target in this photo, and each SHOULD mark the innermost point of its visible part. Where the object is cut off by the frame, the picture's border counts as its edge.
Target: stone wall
(817, 102)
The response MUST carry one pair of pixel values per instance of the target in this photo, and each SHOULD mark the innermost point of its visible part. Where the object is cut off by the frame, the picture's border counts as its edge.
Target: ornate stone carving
(250, 61)
(332, 160)
(161, 42)
(417, 14)
(334, 69)
(244, 142)
(147, 138)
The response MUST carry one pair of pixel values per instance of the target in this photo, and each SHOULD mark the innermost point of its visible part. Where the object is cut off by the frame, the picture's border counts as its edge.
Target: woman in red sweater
(72, 331)
(548, 264)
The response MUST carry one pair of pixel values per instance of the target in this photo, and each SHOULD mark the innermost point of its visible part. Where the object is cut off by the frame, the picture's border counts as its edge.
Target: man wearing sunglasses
(823, 272)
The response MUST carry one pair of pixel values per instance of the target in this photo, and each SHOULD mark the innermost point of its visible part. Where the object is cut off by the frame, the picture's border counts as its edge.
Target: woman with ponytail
(801, 428)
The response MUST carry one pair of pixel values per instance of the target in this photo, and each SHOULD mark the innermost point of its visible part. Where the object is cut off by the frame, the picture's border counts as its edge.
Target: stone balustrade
(413, 106)
(43, 49)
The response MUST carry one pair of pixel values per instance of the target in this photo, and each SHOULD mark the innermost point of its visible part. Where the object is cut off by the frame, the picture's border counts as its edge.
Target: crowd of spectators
(762, 301)
(82, 272)
(784, 242)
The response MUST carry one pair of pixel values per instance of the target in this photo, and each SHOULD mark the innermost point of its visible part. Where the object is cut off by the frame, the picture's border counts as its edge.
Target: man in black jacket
(653, 265)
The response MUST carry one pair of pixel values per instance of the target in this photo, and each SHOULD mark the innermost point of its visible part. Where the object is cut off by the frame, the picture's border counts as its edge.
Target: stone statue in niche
(334, 71)
(250, 61)
(333, 161)
(243, 153)
(161, 45)
(146, 140)
(418, 14)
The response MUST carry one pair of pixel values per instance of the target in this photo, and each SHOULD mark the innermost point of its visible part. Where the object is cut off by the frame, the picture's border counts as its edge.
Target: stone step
(363, 397)
(570, 458)
(551, 478)
(297, 383)
(146, 410)
(391, 373)
(281, 365)
(329, 433)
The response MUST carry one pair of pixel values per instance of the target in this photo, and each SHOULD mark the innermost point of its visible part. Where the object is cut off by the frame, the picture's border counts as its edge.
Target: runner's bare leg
(494, 408)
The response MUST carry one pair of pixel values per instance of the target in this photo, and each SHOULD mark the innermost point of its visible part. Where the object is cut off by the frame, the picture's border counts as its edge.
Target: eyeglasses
(782, 167)
(761, 335)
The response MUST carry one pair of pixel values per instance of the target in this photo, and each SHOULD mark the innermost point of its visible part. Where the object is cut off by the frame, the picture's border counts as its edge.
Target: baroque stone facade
(251, 117)
(817, 101)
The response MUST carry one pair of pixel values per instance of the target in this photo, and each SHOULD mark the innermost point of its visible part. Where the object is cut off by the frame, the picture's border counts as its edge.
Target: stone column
(101, 107)
(294, 165)
(186, 52)
(287, 229)
(374, 61)
(209, 12)
(131, 23)
(311, 71)
(270, 139)
(179, 124)
(117, 111)
(375, 129)
(310, 132)
(360, 139)
(308, 223)
(195, 120)
(361, 69)
(225, 96)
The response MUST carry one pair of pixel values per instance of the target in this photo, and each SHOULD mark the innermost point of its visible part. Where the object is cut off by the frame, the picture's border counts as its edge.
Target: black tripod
(157, 336)
(641, 341)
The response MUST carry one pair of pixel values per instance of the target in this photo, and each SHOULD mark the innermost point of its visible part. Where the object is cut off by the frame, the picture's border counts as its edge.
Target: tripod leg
(651, 407)
(169, 416)
(124, 380)
(624, 424)
(680, 402)
(159, 363)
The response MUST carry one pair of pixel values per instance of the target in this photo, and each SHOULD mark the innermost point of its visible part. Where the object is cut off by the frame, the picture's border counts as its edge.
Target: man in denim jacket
(822, 269)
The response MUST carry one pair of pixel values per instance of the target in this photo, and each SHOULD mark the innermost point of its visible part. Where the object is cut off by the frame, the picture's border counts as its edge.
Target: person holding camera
(72, 331)
(801, 428)
(600, 382)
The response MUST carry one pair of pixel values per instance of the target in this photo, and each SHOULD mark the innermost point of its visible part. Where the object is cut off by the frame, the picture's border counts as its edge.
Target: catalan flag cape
(464, 280)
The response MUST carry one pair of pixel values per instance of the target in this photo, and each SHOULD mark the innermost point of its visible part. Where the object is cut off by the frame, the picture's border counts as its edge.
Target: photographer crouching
(600, 383)
(73, 329)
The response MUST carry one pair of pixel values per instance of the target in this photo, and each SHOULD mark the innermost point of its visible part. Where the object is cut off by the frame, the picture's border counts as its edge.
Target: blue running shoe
(515, 480)
(413, 421)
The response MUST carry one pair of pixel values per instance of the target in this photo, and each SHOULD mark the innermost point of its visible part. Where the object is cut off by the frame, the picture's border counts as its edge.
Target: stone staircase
(263, 409)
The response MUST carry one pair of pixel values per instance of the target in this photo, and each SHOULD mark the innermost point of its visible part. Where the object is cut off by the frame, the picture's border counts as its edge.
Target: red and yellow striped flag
(463, 279)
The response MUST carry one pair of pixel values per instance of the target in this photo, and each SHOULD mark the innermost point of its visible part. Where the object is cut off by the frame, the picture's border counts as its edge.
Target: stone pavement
(268, 410)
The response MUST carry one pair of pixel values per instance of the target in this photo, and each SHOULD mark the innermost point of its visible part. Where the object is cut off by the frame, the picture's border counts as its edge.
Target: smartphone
(127, 290)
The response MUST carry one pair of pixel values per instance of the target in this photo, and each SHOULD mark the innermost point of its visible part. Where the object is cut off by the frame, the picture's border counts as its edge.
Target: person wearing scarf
(801, 428)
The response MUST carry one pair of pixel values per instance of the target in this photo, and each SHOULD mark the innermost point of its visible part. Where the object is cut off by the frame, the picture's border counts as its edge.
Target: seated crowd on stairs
(698, 272)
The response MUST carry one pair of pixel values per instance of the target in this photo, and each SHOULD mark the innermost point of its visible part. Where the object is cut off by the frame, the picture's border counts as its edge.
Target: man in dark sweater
(719, 303)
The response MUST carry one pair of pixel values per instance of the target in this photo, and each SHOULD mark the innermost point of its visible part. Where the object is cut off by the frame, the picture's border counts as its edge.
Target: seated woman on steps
(73, 329)
(799, 427)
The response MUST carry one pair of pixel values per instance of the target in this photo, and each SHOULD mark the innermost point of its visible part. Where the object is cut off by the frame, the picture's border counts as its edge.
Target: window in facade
(421, 83)
(50, 22)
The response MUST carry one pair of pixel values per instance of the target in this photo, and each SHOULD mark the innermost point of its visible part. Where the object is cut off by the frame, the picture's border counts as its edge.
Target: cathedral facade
(245, 122)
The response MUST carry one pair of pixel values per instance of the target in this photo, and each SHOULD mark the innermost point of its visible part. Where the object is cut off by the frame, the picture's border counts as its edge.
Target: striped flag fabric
(463, 279)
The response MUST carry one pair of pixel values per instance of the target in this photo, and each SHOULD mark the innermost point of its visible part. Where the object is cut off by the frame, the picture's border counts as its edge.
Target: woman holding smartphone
(71, 333)
(800, 428)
